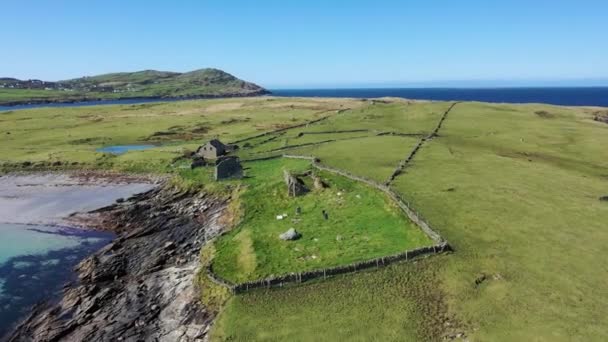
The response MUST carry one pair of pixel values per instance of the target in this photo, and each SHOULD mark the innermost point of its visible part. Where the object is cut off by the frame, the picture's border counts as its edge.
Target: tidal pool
(38, 251)
(35, 262)
(121, 149)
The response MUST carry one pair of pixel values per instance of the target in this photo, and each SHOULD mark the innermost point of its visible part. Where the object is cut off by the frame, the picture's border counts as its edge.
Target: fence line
(412, 154)
(300, 277)
(285, 128)
(440, 245)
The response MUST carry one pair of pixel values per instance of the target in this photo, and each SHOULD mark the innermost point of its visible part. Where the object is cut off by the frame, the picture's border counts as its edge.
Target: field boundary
(439, 246)
(404, 163)
(304, 124)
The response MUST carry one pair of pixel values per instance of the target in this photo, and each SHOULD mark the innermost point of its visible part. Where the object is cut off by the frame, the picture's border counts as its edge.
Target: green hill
(203, 83)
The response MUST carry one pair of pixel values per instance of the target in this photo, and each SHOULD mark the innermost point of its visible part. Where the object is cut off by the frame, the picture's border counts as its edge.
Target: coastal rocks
(290, 235)
(141, 286)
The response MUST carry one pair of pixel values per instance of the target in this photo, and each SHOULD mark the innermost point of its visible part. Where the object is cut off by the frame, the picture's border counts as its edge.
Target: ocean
(564, 96)
(35, 261)
(572, 96)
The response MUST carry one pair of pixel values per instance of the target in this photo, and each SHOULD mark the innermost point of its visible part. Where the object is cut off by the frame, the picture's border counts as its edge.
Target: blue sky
(313, 43)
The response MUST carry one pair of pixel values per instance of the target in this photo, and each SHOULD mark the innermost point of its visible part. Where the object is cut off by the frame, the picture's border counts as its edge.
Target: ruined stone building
(212, 150)
(228, 167)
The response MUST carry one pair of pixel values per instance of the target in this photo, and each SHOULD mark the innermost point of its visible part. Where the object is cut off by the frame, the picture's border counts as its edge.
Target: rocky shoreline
(140, 287)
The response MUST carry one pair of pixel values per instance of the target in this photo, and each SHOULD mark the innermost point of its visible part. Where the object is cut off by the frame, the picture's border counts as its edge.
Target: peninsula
(147, 84)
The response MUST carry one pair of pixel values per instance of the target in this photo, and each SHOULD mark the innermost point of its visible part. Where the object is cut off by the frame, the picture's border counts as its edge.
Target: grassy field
(392, 304)
(71, 135)
(363, 224)
(514, 188)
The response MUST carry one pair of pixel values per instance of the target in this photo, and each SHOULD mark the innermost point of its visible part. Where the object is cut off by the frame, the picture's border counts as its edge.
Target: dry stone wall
(412, 154)
(440, 245)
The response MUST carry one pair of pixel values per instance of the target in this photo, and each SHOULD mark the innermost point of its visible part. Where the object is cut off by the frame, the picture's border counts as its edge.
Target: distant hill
(203, 83)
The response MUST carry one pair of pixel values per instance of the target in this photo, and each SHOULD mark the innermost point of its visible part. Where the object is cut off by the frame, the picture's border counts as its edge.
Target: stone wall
(281, 129)
(324, 273)
(295, 186)
(412, 154)
(440, 245)
(228, 167)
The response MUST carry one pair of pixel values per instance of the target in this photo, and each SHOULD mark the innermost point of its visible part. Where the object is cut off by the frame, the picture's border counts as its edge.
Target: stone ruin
(318, 183)
(295, 186)
(198, 161)
(228, 167)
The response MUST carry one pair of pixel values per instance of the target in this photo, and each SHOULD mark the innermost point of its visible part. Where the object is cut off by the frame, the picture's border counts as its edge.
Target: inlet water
(121, 149)
(35, 262)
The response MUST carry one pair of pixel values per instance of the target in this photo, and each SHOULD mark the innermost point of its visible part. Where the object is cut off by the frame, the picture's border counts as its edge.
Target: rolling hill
(203, 83)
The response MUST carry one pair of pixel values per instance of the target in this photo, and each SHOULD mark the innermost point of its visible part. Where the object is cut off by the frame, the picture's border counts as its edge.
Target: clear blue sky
(314, 43)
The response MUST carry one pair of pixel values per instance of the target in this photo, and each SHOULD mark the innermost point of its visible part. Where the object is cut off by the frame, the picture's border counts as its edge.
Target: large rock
(290, 235)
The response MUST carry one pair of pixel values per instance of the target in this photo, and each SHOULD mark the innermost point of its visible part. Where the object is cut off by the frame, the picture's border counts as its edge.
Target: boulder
(290, 235)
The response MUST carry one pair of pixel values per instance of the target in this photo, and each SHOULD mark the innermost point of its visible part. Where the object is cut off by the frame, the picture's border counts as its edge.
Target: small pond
(120, 149)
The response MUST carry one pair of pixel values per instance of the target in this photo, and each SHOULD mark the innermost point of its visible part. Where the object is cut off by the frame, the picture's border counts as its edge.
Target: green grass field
(514, 188)
(363, 224)
(383, 305)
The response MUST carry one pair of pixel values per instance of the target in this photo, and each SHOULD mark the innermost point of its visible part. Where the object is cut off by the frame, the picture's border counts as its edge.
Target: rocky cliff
(141, 286)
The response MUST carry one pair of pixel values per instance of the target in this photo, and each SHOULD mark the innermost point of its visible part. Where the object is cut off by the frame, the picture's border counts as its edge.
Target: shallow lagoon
(35, 262)
(121, 149)
(37, 251)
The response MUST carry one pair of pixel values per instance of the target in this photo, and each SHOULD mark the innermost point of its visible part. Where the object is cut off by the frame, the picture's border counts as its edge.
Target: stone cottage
(228, 167)
(212, 150)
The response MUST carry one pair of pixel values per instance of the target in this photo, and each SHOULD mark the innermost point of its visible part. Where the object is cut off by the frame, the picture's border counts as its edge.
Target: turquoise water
(120, 149)
(35, 262)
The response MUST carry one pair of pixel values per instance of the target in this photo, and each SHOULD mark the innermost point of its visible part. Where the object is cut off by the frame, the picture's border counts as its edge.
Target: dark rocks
(480, 279)
(290, 235)
(604, 198)
(544, 114)
(601, 116)
(141, 286)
